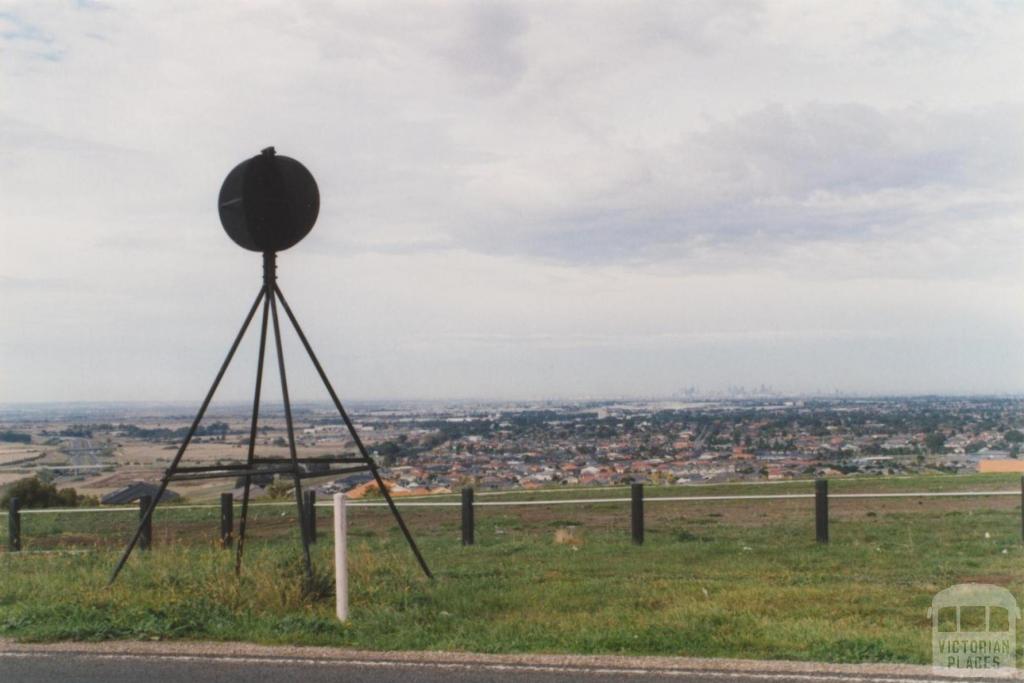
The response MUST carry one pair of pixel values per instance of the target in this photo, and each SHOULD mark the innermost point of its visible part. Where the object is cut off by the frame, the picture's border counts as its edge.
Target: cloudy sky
(519, 200)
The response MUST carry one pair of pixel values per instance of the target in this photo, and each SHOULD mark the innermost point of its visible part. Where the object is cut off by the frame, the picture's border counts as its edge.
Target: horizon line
(554, 399)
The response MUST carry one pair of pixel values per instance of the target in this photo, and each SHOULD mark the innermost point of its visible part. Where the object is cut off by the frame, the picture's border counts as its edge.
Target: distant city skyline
(520, 201)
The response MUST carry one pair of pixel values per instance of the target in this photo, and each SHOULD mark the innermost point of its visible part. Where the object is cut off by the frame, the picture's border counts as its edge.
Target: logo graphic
(974, 629)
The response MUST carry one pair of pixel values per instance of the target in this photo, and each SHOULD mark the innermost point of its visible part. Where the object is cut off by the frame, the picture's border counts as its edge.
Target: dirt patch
(1004, 580)
(570, 536)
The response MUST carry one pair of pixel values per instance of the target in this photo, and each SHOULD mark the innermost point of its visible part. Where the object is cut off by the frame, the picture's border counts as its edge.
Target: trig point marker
(269, 203)
(340, 556)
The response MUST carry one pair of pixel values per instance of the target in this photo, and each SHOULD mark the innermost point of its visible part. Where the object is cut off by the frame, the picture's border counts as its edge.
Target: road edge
(200, 649)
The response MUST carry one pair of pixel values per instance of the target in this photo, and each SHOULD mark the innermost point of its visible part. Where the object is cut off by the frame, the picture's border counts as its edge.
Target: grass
(741, 579)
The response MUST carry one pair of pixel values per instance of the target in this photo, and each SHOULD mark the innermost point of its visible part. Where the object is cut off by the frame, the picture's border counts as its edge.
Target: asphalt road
(82, 453)
(50, 667)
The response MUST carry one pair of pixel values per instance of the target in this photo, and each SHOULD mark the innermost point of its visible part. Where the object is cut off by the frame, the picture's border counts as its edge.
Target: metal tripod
(269, 295)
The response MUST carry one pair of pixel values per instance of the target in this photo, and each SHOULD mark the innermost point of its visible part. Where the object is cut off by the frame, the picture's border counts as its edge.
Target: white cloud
(520, 198)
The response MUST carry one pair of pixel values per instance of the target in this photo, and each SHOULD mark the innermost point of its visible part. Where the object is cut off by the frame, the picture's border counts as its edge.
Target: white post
(340, 556)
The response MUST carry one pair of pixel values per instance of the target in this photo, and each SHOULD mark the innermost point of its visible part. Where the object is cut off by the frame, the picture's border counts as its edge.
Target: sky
(521, 200)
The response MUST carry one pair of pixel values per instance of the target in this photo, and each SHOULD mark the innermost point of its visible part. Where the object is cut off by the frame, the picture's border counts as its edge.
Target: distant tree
(1014, 436)
(255, 480)
(935, 442)
(374, 491)
(389, 448)
(81, 431)
(15, 437)
(32, 493)
(214, 429)
(279, 489)
(388, 452)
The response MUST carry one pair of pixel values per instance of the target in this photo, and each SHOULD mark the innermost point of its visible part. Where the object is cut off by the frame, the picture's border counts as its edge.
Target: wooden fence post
(14, 525)
(467, 516)
(637, 492)
(146, 537)
(311, 516)
(1022, 508)
(227, 519)
(821, 510)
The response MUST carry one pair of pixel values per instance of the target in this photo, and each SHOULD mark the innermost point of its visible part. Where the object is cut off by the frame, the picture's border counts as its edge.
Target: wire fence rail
(468, 503)
(552, 501)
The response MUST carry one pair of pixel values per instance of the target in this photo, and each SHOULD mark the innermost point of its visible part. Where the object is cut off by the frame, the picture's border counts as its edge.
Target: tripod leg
(352, 431)
(191, 432)
(252, 438)
(291, 437)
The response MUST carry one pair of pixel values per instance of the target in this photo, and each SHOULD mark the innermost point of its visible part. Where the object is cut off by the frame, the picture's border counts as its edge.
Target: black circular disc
(268, 202)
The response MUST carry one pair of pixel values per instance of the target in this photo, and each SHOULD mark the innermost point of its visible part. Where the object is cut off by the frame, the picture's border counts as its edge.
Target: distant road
(82, 453)
(105, 664)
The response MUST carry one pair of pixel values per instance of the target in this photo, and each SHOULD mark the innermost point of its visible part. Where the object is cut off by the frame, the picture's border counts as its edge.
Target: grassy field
(719, 579)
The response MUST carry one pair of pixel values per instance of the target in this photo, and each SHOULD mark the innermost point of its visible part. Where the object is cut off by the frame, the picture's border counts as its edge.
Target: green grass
(712, 579)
